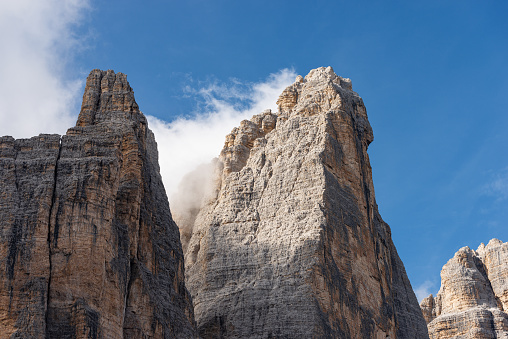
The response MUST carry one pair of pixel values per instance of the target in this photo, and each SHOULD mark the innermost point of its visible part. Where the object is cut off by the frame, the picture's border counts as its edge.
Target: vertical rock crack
(53, 201)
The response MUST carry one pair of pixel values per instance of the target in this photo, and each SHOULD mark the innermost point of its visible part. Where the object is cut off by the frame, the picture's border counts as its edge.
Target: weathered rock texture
(291, 244)
(473, 297)
(87, 244)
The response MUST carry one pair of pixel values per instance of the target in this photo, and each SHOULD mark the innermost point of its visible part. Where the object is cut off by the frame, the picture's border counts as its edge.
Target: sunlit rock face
(473, 297)
(290, 243)
(87, 242)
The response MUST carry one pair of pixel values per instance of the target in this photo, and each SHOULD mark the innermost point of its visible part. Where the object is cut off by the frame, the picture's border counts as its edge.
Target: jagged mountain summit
(473, 298)
(290, 243)
(88, 246)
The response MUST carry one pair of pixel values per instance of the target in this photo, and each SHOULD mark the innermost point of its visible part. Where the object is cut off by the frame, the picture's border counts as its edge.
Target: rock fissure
(15, 235)
(53, 201)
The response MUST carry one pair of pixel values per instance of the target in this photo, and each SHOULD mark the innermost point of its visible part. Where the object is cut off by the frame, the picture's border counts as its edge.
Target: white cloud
(424, 290)
(498, 187)
(38, 40)
(188, 142)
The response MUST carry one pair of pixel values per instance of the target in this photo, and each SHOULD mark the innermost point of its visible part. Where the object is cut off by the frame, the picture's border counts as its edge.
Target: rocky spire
(108, 96)
(473, 297)
(291, 243)
(92, 250)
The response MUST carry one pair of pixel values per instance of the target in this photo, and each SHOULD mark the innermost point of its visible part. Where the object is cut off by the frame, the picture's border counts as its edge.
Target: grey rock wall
(290, 244)
(88, 246)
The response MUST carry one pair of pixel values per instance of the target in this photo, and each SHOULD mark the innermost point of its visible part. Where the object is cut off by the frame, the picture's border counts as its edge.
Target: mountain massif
(286, 242)
(473, 298)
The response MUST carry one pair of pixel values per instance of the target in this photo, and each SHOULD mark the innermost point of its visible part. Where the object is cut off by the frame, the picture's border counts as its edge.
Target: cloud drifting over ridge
(38, 41)
(188, 142)
(424, 290)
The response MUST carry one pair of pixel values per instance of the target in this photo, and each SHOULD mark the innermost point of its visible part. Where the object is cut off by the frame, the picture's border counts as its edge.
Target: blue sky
(433, 76)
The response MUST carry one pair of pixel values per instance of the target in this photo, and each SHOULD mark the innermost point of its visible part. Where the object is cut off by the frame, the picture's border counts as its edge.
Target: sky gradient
(433, 76)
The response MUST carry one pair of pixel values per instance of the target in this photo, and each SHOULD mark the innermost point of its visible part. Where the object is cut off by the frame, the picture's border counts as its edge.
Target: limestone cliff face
(473, 297)
(291, 243)
(87, 244)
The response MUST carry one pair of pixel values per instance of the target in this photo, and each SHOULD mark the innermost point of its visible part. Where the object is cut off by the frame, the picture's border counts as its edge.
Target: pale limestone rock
(428, 305)
(290, 244)
(471, 302)
(495, 259)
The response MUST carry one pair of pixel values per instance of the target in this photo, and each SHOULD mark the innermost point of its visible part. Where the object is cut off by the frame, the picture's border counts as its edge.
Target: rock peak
(326, 74)
(91, 249)
(292, 228)
(319, 92)
(108, 97)
(473, 297)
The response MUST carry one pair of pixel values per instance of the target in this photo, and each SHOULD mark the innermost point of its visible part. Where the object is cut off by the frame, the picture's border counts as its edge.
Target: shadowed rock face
(87, 242)
(291, 243)
(473, 297)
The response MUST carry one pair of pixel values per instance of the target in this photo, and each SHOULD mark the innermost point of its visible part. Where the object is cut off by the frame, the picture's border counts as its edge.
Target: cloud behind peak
(39, 41)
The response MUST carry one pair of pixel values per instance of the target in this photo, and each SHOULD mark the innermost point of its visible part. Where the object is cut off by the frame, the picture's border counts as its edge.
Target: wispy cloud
(498, 186)
(422, 291)
(188, 142)
(38, 40)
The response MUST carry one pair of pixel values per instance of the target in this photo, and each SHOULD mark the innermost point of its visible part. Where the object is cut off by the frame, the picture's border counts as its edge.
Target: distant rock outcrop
(473, 298)
(87, 242)
(291, 244)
